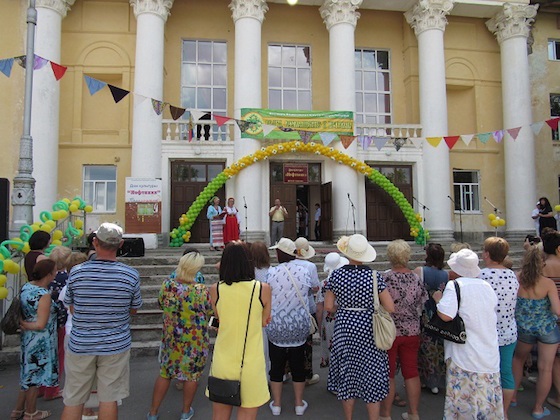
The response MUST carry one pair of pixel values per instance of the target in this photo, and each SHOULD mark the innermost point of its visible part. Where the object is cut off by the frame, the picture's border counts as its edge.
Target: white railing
(393, 131)
(178, 130)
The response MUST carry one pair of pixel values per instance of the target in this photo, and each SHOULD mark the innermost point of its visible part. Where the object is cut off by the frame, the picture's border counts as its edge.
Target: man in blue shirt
(101, 295)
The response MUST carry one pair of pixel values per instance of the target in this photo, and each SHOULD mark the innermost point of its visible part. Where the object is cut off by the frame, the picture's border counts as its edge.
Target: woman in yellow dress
(231, 298)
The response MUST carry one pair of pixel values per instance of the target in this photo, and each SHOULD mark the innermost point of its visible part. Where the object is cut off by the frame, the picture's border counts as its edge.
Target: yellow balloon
(80, 233)
(75, 203)
(55, 215)
(26, 248)
(495, 223)
(11, 267)
(502, 222)
(73, 208)
(66, 200)
(88, 209)
(491, 216)
(51, 223)
(3, 280)
(3, 293)
(557, 207)
(57, 242)
(35, 227)
(57, 234)
(79, 223)
(46, 228)
(63, 214)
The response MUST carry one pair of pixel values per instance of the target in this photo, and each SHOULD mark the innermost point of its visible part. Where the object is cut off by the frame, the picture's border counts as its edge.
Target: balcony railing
(394, 131)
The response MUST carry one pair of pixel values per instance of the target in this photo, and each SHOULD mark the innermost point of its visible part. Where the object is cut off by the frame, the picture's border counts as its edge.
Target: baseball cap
(109, 233)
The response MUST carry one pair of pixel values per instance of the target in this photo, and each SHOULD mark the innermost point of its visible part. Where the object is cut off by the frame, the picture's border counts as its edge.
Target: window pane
(219, 99)
(358, 78)
(203, 99)
(288, 56)
(358, 59)
(314, 172)
(369, 60)
(303, 57)
(369, 80)
(465, 177)
(556, 50)
(100, 196)
(275, 99)
(475, 198)
(205, 52)
(198, 173)
(88, 192)
(289, 99)
(304, 100)
(457, 196)
(551, 50)
(220, 75)
(383, 59)
(384, 103)
(220, 52)
(111, 196)
(104, 173)
(359, 102)
(274, 55)
(275, 77)
(289, 75)
(188, 96)
(370, 104)
(304, 78)
(204, 72)
(188, 76)
(189, 50)
(371, 119)
(214, 171)
(383, 83)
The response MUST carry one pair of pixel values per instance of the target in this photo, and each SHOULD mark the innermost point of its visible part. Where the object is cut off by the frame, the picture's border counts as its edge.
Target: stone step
(147, 316)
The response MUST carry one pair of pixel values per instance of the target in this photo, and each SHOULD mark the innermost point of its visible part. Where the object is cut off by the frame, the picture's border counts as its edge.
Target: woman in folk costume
(215, 215)
(232, 221)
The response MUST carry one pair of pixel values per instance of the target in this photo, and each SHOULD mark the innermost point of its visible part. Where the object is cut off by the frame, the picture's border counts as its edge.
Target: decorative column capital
(512, 21)
(160, 8)
(59, 6)
(248, 9)
(340, 11)
(428, 14)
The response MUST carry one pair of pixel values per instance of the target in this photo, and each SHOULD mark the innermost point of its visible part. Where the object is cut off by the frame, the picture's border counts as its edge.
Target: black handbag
(10, 322)
(453, 330)
(228, 391)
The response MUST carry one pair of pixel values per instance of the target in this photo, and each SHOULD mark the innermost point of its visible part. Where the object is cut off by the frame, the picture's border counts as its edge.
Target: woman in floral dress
(184, 344)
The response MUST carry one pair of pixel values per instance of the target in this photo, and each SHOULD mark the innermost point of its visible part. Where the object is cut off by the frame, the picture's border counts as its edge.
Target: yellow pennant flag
(434, 141)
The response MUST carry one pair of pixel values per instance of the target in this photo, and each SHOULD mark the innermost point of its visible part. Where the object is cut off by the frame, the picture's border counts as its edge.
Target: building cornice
(248, 9)
(515, 20)
(160, 8)
(340, 11)
(429, 14)
(59, 6)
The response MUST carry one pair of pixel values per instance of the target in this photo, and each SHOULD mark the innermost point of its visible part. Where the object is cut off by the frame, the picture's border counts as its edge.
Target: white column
(248, 16)
(428, 19)
(511, 27)
(341, 17)
(45, 106)
(151, 16)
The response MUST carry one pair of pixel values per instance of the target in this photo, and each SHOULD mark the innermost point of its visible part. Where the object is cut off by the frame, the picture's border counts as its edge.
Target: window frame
(94, 183)
(470, 185)
(553, 47)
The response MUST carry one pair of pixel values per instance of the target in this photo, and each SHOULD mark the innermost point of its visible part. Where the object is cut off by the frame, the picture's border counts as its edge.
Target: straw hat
(304, 250)
(357, 248)
(464, 263)
(286, 245)
(333, 260)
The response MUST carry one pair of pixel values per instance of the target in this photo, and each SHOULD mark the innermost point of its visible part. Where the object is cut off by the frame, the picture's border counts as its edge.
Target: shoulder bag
(453, 330)
(313, 327)
(10, 322)
(228, 391)
(384, 330)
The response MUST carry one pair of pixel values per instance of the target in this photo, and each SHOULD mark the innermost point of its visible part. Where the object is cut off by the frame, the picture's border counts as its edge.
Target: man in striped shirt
(101, 294)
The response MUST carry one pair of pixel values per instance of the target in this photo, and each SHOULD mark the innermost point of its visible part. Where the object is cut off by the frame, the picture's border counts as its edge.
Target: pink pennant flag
(220, 120)
(514, 132)
(58, 70)
(467, 138)
(498, 135)
(39, 63)
(537, 127)
(553, 123)
(434, 141)
(417, 141)
(451, 141)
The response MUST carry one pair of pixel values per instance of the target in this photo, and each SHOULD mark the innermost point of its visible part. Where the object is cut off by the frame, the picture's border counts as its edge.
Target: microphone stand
(460, 217)
(353, 212)
(245, 205)
(424, 208)
(496, 211)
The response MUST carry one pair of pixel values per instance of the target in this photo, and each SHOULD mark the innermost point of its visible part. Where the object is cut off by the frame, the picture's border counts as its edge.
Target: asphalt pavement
(322, 404)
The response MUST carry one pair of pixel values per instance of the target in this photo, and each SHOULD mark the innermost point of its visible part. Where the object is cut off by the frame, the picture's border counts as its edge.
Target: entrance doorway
(385, 220)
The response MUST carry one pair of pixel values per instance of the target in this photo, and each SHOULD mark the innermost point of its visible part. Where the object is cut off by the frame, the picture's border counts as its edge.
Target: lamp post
(23, 193)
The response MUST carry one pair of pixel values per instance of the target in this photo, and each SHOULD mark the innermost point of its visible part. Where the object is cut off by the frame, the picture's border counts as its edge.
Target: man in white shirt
(317, 222)
(278, 213)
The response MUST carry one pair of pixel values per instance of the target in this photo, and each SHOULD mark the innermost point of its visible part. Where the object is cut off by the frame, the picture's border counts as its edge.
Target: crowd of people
(265, 316)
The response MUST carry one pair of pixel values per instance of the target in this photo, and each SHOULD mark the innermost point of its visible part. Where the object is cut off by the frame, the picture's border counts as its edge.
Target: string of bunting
(39, 62)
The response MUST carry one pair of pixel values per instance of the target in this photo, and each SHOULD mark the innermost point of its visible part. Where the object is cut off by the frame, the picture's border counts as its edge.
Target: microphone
(244, 202)
(348, 195)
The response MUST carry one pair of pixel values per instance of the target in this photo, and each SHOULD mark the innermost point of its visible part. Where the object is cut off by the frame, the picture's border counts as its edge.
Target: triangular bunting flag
(498, 135)
(514, 132)
(243, 125)
(6, 66)
(484, 137)
(94, 85)
(21, 60)
(267, 129)
(399, 142)
(138, 99)
(417, 141)
(536, 127)
(118, 93)
(346, 140)
(553, 123)
(286, 129)
(327, 138)
(451, 141)
(221, 120)
(467, 138)
(365, 141)
(58, 70)
(305, 136)
(176, 112)
(380, 142)
(158, 106)
(198, 115)
(39, 62)
(434, 141)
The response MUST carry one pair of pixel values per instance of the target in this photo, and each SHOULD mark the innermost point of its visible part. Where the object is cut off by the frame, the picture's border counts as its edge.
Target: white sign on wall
(143, 190)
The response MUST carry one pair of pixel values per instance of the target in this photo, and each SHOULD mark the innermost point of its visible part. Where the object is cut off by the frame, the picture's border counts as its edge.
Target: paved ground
(322, 404)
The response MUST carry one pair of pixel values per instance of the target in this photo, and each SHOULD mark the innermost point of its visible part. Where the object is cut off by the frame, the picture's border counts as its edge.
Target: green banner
(288, 123)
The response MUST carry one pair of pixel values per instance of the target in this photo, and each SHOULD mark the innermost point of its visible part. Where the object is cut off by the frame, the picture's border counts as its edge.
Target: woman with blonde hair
(409, 295)
(537, 310)
(185, 342)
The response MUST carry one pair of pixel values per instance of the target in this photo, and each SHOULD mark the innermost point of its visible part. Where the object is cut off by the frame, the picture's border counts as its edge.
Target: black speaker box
(132, 247)
(4, 208)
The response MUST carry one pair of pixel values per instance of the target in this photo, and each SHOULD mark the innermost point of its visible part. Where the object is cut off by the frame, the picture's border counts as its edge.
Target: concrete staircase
(156, 266)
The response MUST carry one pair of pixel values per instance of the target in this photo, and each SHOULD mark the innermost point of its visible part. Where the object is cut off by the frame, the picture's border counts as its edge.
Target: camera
(532, 239)
(214, 322)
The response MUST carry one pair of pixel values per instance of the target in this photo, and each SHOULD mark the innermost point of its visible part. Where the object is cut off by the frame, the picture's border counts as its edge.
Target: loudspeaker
(4, 208)
(132, 247)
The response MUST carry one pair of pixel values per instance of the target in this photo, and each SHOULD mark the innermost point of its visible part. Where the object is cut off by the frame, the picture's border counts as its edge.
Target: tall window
(373, 86)
(466, 190)
(553, 49)
(289, 77)
(204, 76)
(100, 187)
(555, 111)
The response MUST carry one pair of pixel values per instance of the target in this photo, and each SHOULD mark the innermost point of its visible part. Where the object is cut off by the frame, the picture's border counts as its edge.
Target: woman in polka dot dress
(358, 369)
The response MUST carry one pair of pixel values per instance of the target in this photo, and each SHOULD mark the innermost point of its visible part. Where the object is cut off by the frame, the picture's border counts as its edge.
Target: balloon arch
(182, 233)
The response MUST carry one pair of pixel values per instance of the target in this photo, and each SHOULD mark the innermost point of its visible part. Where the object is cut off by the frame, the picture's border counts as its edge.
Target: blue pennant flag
(94, 85)
(6, 66)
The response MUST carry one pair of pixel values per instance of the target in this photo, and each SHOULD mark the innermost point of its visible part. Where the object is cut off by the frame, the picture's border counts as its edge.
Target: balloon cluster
(182, 233)
(496, 221)
(48, 223)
